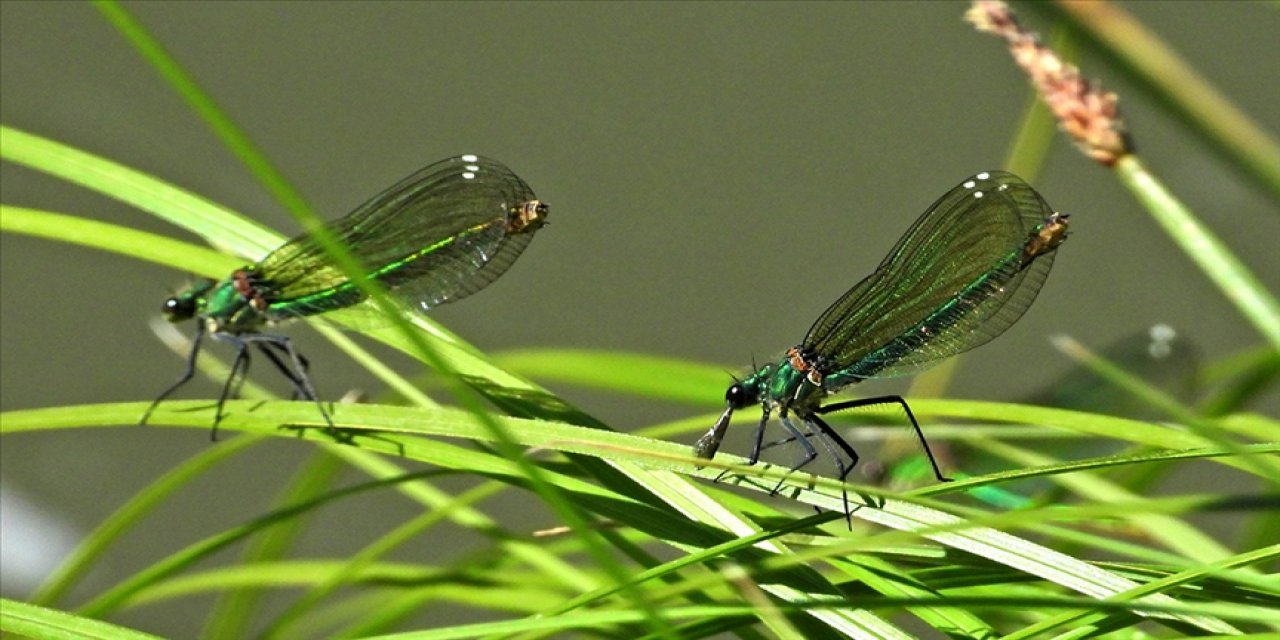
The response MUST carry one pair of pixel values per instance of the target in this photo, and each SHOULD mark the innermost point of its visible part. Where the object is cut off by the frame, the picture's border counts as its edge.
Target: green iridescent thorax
(224, 305)
(791, 385)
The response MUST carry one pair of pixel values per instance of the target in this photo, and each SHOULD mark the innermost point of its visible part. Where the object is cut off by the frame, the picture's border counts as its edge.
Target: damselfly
(437, 236)
(962, 274)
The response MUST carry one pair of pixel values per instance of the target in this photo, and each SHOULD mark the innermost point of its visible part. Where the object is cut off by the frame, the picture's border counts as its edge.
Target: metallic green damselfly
(437, 236)
(964, 272)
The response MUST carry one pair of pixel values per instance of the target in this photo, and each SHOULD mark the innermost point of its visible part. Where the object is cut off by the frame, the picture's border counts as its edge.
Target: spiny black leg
(239, 368)
(296, 380)
(755, 449)
(304, 371)
(864, 402)
(810, 453)
(284, 370)
(300, 382)
(298, 387)
(829, 436)
(234, 392)
(186, 375)
(299, 378)
(758, 438)
(786, 440)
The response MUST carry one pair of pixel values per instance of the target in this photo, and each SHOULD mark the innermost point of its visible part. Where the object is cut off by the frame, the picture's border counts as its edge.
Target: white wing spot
(978, 194)
(470, 158)
(467, 175)
(969, 184)
(983, 176)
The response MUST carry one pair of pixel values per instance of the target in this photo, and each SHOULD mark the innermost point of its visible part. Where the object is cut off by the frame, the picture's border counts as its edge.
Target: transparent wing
(438, 235)
(954, 281)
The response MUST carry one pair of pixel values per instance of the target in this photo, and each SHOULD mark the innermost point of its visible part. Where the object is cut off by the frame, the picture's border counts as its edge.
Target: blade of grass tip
(1183, 91)
(233, 612)
(222, 227)
(94, 545)
(634, 374)
(235, 138)
(1236, 282)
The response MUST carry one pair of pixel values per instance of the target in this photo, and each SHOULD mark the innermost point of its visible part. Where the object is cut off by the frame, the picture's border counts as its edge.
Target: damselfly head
(738, 396)
(178, 309)
(185, 305)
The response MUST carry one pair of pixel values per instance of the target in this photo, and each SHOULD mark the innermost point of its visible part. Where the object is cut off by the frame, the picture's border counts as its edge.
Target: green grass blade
(220, 226)
(636, 374)
(233, 612)
(283, 625)
(554, 569)
(115, 238)
(1078, 620)
(120, 595)
(889, 580)
(1175, 534)
(1237, 283)
(31, 621)
(98, 541)
(202, 103)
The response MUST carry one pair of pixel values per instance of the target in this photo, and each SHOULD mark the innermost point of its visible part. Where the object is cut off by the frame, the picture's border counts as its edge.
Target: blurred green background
(718, 173)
